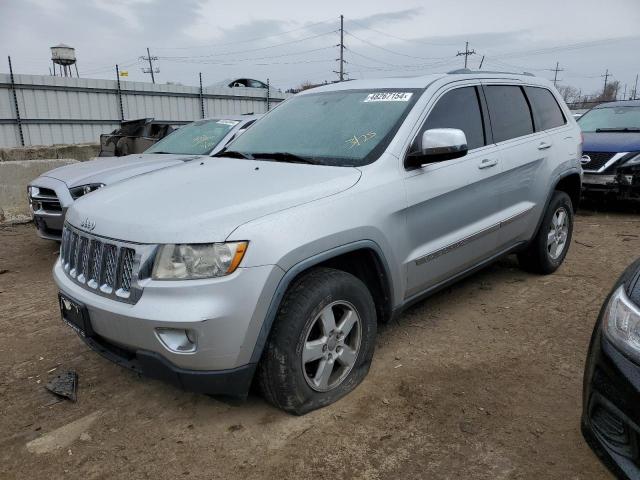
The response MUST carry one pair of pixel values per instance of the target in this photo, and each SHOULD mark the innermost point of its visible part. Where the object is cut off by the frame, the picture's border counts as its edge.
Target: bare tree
(569, 94)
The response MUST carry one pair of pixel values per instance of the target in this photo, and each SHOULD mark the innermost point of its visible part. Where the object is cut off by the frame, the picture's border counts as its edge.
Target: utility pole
(341, 60)
(555, 76)
(481, 62)
(606, 78)
(150, 70)
(635, 89)
(466, 53)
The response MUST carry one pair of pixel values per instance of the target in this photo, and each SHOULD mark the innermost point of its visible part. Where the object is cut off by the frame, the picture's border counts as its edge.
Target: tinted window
(546, 111)
(509, 112)
(460, 109)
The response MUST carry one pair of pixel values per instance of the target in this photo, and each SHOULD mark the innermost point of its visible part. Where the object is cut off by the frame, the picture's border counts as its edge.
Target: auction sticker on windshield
(228, 122)
(388, 97)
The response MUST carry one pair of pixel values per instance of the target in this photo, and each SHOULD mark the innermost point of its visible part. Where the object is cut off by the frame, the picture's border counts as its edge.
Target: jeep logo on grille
(88, 224)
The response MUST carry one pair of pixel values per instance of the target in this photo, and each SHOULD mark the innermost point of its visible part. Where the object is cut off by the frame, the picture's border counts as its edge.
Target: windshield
(197, 138)
(610, 119)
(343, 128)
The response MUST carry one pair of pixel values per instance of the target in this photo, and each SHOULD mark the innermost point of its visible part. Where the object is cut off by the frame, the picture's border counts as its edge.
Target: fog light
(177, 340)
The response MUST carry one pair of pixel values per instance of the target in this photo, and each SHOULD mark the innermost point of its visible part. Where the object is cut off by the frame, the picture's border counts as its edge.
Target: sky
(291, 42)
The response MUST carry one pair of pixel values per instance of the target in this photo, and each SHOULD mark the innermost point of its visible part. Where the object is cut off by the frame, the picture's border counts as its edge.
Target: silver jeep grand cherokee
(337, 210)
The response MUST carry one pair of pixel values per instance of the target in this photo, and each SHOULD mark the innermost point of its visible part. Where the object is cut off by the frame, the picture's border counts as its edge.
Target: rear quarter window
(509, 112)
(547, 113)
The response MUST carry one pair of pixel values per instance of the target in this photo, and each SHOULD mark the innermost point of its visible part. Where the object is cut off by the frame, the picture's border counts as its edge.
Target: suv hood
(110, 170)
(204, 201)
(611, 142)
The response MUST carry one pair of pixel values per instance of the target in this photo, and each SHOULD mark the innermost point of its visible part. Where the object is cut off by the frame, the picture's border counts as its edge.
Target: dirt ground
(480, 381)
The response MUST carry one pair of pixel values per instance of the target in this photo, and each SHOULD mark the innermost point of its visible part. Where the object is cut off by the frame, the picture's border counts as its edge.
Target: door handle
(487, 163)
(544, 146)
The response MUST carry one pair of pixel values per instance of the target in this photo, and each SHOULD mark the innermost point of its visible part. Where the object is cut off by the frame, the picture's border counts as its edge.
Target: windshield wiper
(285, 157)
(618, 129)
(232, 154)
(163, 153)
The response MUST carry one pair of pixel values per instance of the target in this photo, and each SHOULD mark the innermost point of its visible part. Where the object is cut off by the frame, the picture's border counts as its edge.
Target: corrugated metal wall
(56, 110)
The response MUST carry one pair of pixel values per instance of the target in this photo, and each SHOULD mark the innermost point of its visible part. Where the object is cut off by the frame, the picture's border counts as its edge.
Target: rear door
(523, 154)
(453, 205)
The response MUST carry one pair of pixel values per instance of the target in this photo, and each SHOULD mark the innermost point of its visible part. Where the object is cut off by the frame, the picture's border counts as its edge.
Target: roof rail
(460, 71)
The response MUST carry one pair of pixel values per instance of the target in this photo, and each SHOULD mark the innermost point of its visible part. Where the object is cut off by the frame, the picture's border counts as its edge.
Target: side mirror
(437, 145)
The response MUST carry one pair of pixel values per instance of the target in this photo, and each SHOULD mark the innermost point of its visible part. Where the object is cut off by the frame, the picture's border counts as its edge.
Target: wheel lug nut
(339, 350)
(324, 348)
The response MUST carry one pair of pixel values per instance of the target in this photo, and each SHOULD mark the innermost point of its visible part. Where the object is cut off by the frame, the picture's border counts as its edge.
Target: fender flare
(300, 267)
(550, 195)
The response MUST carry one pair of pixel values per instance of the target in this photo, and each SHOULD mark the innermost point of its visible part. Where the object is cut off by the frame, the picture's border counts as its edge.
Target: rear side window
(546, 111)
(459, 109)
(509, 112)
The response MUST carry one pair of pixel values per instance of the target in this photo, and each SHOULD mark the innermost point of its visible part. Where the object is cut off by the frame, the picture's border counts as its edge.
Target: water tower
(64, 56)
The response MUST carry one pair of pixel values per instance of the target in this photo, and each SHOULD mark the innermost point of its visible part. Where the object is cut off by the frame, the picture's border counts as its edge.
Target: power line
(250, 40)
(392, 51)
(409, 40)
(219, 54)
(250, 59)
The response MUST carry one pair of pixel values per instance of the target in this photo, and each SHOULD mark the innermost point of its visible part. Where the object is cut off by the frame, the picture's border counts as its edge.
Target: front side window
(340, 128)
(509, 112)
(459, 109)
(546, 111)
(197, 138)
(611, 119)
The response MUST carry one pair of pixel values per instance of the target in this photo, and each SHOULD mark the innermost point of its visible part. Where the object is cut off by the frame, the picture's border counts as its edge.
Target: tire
(312, 300)
(542, 255)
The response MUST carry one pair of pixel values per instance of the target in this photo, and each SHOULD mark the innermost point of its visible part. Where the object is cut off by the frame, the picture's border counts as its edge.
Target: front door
(453, 206)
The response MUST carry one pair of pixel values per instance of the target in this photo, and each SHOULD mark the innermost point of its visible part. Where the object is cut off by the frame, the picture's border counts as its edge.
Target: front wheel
(322, 342)
(549, 247)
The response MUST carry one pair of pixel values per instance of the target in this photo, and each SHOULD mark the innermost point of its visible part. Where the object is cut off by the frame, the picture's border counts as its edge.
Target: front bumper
(611, 408)
(232, 382)
(223, 314)
(49, 209)
(625, 183)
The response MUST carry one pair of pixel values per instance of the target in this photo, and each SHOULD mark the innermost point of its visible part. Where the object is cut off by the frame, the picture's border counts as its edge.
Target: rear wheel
(321, 343)
(547, 250)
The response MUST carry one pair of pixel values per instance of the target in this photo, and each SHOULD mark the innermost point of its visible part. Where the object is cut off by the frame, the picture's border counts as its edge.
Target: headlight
(622, 323)
(201, 260)
(77, 192)
(632, 161)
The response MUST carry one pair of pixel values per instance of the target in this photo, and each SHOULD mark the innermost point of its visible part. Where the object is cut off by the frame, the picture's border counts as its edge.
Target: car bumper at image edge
(613, 434)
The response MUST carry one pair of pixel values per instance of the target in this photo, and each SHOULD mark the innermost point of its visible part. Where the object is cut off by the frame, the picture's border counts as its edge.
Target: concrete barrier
(14, 178)
(77, 152)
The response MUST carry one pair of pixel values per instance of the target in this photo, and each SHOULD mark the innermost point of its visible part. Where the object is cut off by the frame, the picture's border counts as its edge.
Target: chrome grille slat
(108, 268)
(95, 262)
(128, 256)
(73, 253)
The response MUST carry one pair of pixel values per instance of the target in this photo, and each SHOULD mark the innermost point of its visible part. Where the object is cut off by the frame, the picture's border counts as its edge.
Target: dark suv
(611, 149)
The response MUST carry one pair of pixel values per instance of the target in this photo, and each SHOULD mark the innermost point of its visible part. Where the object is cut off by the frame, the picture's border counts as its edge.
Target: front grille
(598, 160)
(45, 200)
(106, 267)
